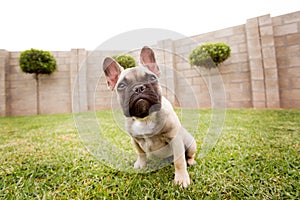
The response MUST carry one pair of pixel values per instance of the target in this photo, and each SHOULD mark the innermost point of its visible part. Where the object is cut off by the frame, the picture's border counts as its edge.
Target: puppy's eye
(152, 78)
(121, 86)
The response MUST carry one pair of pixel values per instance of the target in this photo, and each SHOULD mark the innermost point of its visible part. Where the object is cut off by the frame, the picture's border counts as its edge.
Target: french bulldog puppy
(150, 118)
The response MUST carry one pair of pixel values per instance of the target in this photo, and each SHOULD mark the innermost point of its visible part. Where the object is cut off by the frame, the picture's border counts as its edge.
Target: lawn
(257, 157)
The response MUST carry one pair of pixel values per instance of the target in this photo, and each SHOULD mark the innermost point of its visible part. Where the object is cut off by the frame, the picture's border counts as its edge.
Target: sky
(62, 25)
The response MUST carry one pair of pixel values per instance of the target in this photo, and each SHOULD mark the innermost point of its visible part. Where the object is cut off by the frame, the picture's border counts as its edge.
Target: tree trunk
(37, 93)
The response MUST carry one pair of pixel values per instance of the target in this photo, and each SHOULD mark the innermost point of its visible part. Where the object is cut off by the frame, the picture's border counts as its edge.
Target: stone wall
(287, 47)
(262, 72)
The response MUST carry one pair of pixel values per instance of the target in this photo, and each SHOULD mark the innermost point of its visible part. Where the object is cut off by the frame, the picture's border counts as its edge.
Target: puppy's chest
(139, 128)
(154, 143)
(150, 135)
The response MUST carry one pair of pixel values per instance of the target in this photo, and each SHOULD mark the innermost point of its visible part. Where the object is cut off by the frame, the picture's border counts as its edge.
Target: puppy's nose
(139, 89)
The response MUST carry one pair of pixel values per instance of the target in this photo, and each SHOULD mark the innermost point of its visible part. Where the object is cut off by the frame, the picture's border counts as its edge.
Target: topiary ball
(210, 54)
(37, 61)
(125, 60)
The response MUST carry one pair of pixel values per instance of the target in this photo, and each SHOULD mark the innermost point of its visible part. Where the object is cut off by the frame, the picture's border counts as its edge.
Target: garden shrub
(209, 55)
(37, 62)
(125, 60)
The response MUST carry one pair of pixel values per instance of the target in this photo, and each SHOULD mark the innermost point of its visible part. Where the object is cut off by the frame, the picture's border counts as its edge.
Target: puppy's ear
(147, 59)
(112, 71)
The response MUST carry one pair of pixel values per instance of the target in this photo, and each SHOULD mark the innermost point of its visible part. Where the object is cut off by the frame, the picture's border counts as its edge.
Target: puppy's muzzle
(143, 100)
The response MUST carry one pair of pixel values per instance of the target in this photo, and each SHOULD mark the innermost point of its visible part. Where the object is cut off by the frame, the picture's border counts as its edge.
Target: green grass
(257, 157)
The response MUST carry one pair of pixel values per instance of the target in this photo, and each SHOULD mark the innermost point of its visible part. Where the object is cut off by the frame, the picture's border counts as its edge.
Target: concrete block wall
(3, 63)
(262, 72)
(20, 89)
(287, 48)
(262, 62)
(55, 95)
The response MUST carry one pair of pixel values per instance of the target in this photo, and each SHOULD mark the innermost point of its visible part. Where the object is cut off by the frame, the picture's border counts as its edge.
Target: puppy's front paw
(182, 178)
(140, 163)
(191, 162)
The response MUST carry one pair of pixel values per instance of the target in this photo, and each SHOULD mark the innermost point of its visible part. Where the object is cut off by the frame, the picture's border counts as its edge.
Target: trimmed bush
(35, 61)
(209, 55)
(125, 60)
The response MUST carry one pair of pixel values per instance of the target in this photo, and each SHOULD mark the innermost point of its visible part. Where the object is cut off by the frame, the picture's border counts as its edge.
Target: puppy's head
(138, 88)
